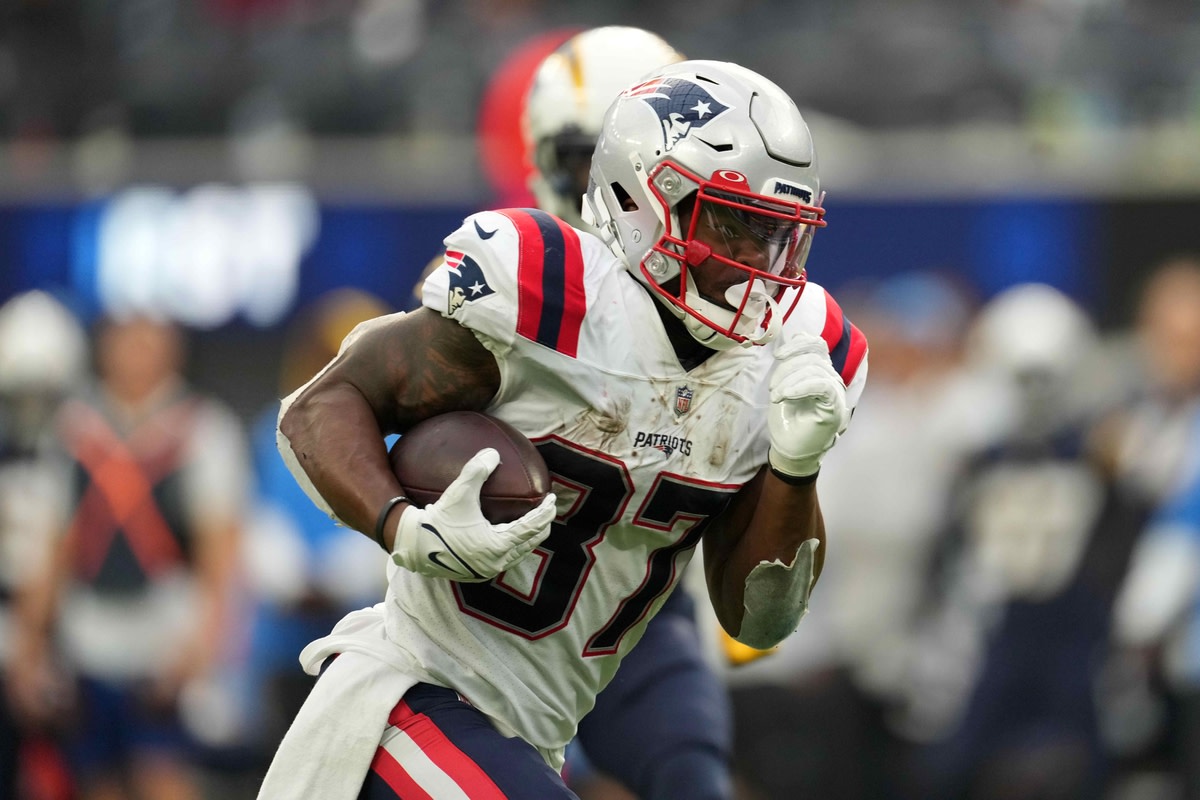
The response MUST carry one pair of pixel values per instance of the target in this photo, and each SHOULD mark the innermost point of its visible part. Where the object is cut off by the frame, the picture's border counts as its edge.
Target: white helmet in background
(1033, 329)
(43, 346)
(1044, 346)
(565, 107)
(731, 145)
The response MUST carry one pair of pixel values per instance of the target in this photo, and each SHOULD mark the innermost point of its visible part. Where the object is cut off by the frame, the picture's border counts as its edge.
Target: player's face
(136, 355)
(566, 160)
(728, 236)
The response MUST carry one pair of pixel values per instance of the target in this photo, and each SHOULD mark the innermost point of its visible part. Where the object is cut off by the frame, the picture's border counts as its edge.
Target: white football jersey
(641, 453)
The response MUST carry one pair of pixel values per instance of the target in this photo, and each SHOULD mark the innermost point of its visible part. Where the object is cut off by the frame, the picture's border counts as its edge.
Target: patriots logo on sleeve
(681, 106)
(466, 281)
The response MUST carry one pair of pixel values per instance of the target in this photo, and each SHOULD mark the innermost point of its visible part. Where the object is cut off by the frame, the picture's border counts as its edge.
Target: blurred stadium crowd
(1011, 605)
(293, 85)
(190, 67)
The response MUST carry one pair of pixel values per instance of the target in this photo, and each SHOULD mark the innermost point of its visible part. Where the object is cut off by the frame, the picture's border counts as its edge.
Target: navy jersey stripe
(553, 277)
(839, 353)
(550, 279)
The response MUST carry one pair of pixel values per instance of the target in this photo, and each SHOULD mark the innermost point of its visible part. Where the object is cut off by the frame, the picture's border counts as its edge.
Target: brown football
(430, 455)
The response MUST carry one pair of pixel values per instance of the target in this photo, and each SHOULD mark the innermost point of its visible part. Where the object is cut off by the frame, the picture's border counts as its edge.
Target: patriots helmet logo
(466, 281)
(681, 105)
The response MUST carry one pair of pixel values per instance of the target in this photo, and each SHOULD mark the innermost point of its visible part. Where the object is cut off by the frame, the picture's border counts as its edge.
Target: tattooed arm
(399, 371)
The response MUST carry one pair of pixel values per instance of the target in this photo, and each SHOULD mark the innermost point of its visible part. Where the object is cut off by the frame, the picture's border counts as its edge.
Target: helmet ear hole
(623, 197)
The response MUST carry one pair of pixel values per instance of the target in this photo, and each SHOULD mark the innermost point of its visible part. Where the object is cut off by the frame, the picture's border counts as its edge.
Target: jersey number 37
(604, 490)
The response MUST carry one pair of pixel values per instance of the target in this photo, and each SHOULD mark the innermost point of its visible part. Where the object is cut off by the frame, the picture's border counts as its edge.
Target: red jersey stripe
(847, 344)
(834, 323)
(574, 297)
(469, 776)
(854, 358)
(396, 777)
(551, 301)
(400, 714)
(530, 263)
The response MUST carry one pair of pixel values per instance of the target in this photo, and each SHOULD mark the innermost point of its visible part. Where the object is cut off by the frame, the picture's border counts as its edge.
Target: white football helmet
(1032, 328)
(43, 358)
(565, 107)
(731, 145)
(1043, 346)
(43, 346)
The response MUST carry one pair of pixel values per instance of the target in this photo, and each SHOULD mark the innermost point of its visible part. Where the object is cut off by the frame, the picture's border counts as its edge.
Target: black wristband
(795, 480)
(383, 515)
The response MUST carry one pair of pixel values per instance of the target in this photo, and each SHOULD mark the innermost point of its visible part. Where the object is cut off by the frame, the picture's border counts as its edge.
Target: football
(430, 455)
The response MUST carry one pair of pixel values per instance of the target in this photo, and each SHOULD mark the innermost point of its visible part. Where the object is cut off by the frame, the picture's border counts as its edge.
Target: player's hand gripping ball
(431, 455)
(481, 496)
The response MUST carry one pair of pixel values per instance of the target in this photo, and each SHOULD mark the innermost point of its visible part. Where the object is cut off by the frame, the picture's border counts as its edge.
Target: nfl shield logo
(683, 400)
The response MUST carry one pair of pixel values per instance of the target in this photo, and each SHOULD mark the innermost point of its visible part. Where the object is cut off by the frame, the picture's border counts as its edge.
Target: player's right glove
(808, 408)
(450, 538)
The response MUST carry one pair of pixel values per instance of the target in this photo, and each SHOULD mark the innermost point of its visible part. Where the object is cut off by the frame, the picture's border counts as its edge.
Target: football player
(682, 382)
(663, 726)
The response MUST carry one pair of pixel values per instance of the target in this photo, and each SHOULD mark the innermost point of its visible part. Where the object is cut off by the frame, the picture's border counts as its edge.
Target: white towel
(329, 747)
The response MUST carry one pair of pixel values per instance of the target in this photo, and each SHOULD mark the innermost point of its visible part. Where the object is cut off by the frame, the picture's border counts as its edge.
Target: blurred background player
(132, 604)
(43, 359)
(1039, 534)
(1154, 675)
(662, 727)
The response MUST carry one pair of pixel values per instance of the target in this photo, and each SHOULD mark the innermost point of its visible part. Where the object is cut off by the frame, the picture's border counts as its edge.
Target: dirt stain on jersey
(712, 429)
(601, 428)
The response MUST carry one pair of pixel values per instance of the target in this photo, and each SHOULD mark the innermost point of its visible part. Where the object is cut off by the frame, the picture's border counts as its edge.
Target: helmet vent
(773, 152)
(720, 148)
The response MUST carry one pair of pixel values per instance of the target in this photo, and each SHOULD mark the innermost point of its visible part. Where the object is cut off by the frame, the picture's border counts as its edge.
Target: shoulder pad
(818, 313)
(513, 273)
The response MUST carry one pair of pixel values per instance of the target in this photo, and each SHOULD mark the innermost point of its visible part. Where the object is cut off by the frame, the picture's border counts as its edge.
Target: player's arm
(393, 373)
(34, 685)
(777, 529)
(765, 552)
(396, 372)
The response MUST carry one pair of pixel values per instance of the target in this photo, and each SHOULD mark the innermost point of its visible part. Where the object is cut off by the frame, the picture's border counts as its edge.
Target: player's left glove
(808, 410)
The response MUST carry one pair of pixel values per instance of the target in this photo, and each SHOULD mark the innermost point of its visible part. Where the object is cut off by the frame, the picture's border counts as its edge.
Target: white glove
(808, 406)
(450, 538)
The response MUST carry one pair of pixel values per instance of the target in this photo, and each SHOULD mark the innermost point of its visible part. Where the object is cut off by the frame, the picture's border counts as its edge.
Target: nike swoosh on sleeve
(482, 233)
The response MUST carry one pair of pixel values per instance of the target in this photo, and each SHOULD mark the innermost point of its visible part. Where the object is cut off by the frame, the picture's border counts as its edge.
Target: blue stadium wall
(1096, 250)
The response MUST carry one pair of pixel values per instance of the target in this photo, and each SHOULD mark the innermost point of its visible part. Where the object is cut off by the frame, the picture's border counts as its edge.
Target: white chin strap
(749, 325)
